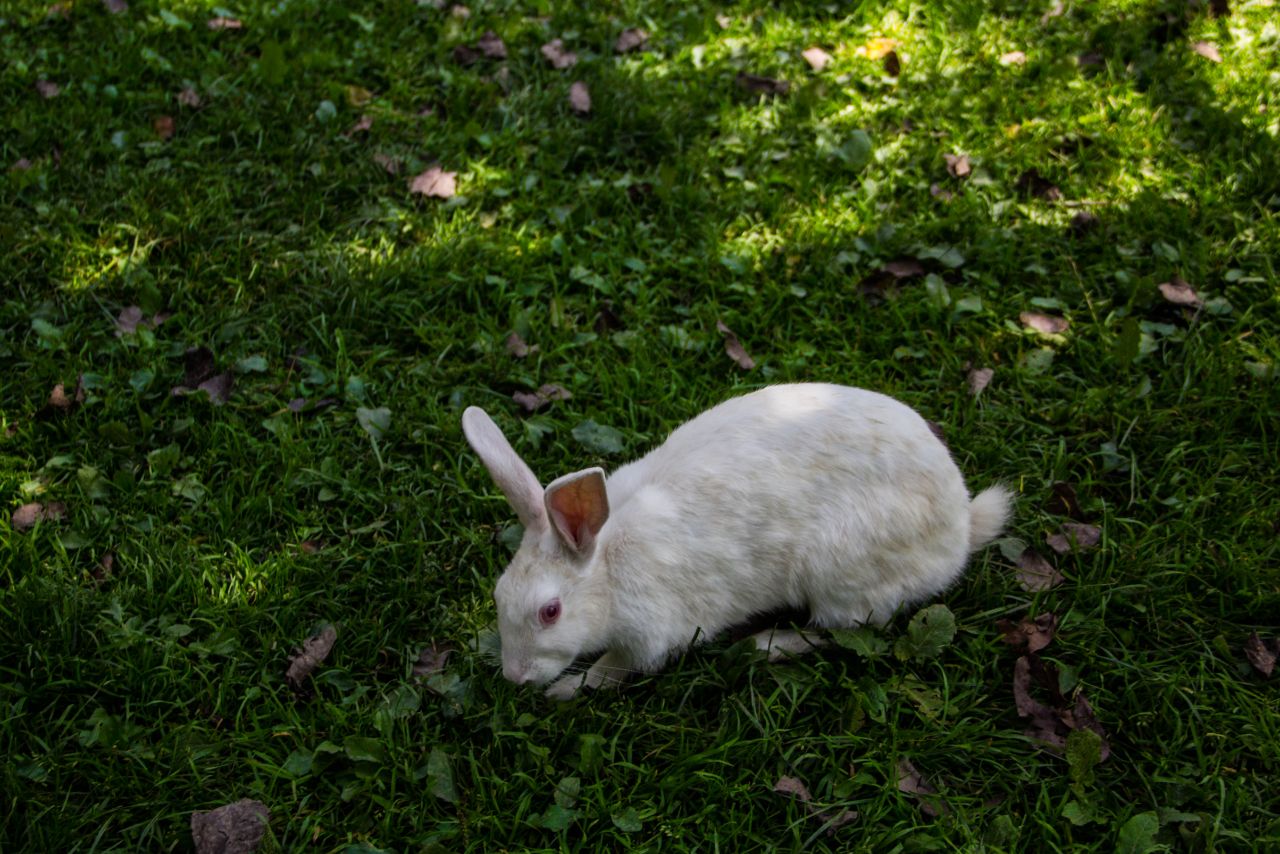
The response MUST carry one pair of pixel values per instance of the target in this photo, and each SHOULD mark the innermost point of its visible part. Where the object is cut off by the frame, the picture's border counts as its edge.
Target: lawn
(258, 259)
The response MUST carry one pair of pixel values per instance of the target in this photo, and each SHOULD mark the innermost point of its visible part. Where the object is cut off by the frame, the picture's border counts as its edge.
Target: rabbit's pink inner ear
(578, 507)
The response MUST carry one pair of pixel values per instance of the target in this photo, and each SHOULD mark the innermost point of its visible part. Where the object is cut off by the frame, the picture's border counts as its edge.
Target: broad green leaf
(567, 792)
(1079, 813)
(927, 635)
(376, 422)
(598, 437)
(864, 640)
(628, 821)
(1138, 834)
(440, 776)
(1128, 341)
(299, 762)
(558, 818)
(362, 749)
(1084, 752)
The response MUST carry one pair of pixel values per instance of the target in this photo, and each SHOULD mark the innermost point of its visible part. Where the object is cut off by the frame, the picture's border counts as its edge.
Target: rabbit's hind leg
(783, 643)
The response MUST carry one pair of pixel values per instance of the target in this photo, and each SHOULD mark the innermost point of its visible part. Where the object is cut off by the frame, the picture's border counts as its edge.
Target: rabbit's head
(551, 608)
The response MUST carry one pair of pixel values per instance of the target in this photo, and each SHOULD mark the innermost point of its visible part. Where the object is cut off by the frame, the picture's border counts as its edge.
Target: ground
(1082, 198)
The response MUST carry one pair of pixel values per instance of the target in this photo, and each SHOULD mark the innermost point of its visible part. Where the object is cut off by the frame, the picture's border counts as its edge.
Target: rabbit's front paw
(566, 687)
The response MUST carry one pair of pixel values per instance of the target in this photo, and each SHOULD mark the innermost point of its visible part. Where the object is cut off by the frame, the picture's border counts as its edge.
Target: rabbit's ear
(513, 476)
(578, 508)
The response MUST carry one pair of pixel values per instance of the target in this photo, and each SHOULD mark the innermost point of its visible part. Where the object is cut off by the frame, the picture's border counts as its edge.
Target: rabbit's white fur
(837, 500)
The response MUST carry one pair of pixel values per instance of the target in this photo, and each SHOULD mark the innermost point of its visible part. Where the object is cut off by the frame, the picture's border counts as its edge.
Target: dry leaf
(1032, 635)
(430, 661)
(362, 124)
(465, 56)
(311, 546)
(1208, 50)
(877, 48)
(793, 787)
(580, 98)
(1013, 57)
(388, 163)
(116, 7)
(630, 39)
(939, 192)
(892, 64)
(26, 516)
(127, 322)
(1082, 223)
(1036, 574)
(1074, 535)
(555, 54)
(358, 96)
(491, 47)
(517, 347)
(979, 379)
(22, 164)
(163, 126)
(544, 395)
(236, 828)
(60, 403)
(1261, 655)
(733, 347)
(189, 97)
(435, 183)
(221, 23)
(817, 58)
(912, 782)
(1090, 62)
(957, 165)
(904, 268)
(308, 657)
(1047, 324)
(47, 88)
(105, 569)
(607, 320)
(198, 365)
(218, 387)
(759, 85)
(1032, 183)
(1179, 292)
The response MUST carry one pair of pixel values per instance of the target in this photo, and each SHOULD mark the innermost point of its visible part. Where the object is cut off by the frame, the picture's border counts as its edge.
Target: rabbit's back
(835, 499)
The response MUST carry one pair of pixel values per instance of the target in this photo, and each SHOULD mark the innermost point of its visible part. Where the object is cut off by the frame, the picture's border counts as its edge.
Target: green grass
(128, 702)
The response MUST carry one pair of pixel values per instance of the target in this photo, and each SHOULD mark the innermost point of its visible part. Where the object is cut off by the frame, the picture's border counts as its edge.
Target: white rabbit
(837, 500)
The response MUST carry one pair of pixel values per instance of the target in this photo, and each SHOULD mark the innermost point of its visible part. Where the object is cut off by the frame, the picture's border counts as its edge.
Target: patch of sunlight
(120, 251)
(234, 577)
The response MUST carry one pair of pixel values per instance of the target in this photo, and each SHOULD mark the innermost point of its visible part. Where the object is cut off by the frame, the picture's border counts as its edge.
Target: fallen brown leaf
(163, 126)
(465, 56)
(517, 347)
(307, 658)
(1032, 183)
(1083, 223)
(198, 365)
(431, 661)
(1031, 635)
(47, 89)
(892, 64)
(221, 23)
(532, 402)
(580, 98)
(817, 58)
(128, 320)
(116, 7)
(630, 39)
(236, 828)
(939, 192)
(22, 164)
(1036, 574)
(1045, 323)
(491, 47)
(555, 54)
(979, 379)
(60, 403)
(435, 183)
(1208, 50)
(1179, 292)
(362, 124)
(957, 165)
(311, 546)
(104, 570)
(189, 97)
(904, 268)
(1090, 62)
(759, 85)
(26, 516)
(1050, 724)
(1013, 57)
(389, 164)
(1075, 536)
(1260, 654)
(793, 787)
(733, 347)
(607, 320)
(912, 782)
(218, 387)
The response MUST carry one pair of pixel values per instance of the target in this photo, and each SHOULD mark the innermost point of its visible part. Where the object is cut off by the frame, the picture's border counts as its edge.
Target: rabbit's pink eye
(549, 612)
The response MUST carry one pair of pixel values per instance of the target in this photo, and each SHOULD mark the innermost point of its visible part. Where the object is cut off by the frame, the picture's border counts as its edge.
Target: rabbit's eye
(549, 612)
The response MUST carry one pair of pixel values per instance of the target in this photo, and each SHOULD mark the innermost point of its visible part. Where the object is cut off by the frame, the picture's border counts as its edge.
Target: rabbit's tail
(988, 513)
